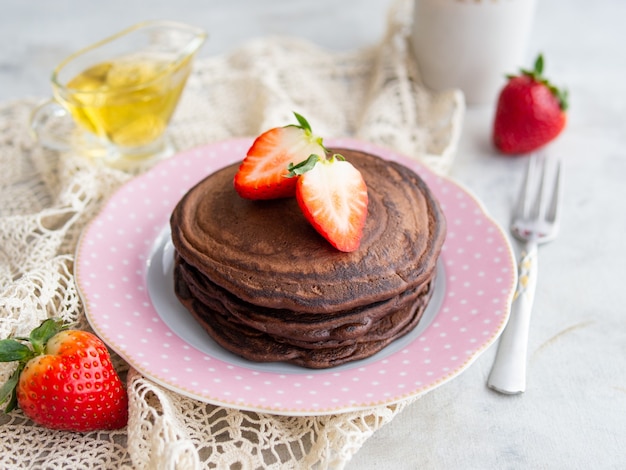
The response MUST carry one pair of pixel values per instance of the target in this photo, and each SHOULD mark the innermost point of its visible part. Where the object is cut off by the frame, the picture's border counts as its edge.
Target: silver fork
(535, 221)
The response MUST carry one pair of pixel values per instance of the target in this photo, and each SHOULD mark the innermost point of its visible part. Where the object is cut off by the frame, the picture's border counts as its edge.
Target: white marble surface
(573, 414)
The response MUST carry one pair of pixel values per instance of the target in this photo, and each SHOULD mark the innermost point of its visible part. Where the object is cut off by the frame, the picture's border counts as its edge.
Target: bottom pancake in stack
(266, 286)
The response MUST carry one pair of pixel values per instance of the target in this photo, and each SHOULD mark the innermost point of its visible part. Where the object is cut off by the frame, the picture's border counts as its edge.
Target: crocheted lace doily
(46, 199)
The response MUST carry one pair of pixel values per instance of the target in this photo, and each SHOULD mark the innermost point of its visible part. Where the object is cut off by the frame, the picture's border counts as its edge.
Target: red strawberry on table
(263, 173)
(333, 197)
(64, 380)
(530, 112)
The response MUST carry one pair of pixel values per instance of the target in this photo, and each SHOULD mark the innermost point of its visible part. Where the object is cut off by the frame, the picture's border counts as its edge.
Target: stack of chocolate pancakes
(266, 286)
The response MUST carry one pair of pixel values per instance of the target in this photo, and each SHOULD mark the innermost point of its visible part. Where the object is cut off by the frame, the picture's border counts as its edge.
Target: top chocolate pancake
(266, 253)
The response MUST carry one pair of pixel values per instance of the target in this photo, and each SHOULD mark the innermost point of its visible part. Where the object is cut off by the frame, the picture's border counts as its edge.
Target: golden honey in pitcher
(113, 100)
(127, 101)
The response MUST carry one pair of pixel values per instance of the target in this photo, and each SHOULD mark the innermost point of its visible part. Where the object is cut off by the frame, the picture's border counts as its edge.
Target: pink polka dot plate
(124, 275)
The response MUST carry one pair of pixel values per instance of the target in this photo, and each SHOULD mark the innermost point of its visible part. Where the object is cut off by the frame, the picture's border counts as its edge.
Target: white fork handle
(508, 373)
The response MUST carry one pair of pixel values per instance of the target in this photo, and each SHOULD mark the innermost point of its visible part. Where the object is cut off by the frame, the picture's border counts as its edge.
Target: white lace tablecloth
(47, 198)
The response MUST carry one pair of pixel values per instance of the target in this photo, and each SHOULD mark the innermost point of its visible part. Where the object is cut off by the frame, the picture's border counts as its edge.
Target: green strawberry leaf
(303, 166)
(539, 65)
(308, 164)
(563, 97)
(40, 335)
(12, 350)
(537, 75)
(7, 391)
(304, 124)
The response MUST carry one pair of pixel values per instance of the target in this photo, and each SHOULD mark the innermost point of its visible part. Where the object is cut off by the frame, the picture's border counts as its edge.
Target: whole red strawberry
(64, 380)
(530, 112)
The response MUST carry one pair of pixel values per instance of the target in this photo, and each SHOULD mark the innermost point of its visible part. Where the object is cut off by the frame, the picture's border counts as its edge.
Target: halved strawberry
(333, 197)
(263, 173)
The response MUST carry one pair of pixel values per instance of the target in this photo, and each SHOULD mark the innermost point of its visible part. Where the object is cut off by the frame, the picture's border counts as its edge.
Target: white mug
(470, 44)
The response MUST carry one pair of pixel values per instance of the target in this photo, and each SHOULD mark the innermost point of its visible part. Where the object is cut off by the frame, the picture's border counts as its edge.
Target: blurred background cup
(470, 44)
(114, 99)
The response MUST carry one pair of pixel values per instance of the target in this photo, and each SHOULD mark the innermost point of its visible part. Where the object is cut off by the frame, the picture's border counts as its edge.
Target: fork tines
(540, 194)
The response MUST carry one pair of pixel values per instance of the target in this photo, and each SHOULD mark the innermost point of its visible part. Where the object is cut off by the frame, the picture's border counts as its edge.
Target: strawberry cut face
(333, 198)
(263, 174)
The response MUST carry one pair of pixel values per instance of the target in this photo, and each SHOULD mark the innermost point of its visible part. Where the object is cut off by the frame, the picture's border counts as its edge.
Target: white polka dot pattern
(112, 262)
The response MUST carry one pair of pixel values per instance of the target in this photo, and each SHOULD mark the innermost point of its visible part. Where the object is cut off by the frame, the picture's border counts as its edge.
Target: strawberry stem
(12, 350)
